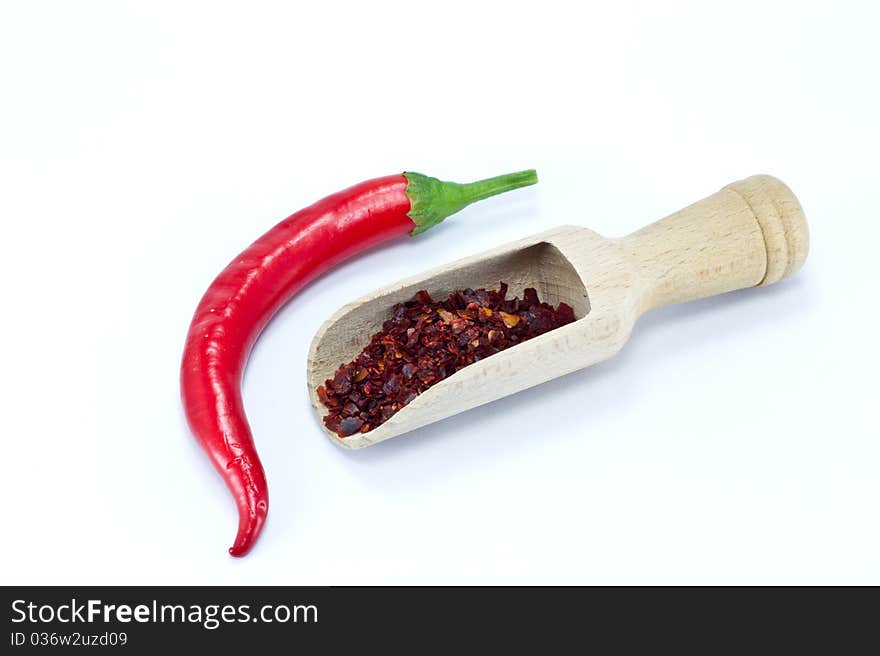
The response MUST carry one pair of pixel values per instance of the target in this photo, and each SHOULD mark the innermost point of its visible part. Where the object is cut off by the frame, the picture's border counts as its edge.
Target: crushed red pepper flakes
(423, 342)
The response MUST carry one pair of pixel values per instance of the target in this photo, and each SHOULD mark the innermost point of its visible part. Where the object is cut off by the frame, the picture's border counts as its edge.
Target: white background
(142, 145)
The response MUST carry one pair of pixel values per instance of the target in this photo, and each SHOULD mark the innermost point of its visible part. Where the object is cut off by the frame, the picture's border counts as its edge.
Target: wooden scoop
(751, 233)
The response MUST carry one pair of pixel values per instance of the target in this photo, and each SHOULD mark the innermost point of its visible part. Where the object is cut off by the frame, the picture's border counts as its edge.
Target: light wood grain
(749, 233)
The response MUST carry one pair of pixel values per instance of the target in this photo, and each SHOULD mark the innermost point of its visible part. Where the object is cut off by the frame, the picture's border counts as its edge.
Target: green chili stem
(432, 200)
(481, 189)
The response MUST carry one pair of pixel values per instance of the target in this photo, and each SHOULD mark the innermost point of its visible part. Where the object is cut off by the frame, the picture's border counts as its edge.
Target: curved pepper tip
(250, 524)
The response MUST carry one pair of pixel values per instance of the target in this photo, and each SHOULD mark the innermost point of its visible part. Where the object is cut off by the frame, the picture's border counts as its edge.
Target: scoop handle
(752, 232)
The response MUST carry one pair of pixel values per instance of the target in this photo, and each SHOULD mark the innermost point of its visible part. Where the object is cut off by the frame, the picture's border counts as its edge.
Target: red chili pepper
(248, 292)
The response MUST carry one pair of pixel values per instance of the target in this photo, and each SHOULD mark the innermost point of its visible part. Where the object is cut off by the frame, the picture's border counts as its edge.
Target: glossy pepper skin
(253, 287)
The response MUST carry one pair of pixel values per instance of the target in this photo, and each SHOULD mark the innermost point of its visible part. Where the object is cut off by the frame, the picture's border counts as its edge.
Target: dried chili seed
(510, 320)
(446, 315)
(425, 341)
